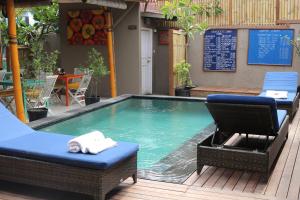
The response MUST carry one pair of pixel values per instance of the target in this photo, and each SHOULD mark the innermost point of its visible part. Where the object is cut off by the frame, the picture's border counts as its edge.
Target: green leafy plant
(182, 75)
(46, 22)
(95, 64)
(296, 44)
(185, 12)
(39, 60)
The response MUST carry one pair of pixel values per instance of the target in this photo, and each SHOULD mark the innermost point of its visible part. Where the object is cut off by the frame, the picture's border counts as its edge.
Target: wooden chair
(78, 94)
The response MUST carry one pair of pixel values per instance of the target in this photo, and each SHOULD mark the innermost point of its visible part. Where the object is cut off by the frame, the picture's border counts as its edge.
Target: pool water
(159, 126)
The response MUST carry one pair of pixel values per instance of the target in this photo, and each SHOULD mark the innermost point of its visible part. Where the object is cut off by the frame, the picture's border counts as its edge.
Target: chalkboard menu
(270, 47)
(220, 50)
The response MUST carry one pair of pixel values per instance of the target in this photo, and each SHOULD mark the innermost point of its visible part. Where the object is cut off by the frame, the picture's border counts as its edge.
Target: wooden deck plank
(159, 185)
(217, 192)
(233, 180)
(294, 186)
(194, 177)
(261, 186)
(275, 178)
(202, 91)
(205, 195)
(240, 186)
(223, 179)
(214, 178)
(289, 168)
(205, 176)
(252, 183)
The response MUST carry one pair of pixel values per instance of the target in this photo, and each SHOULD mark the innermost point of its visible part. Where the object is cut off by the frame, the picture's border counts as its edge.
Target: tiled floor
(57, 107)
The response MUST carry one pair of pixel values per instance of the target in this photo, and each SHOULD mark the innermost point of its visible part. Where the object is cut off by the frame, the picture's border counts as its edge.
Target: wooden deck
(202, 91)
(212, 184)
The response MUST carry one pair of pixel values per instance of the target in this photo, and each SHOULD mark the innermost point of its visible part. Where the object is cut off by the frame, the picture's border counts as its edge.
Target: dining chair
(42, 99)
(77, 94)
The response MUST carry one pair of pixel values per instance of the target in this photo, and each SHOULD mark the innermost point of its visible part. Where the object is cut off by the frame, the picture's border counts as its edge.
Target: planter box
(37, 113)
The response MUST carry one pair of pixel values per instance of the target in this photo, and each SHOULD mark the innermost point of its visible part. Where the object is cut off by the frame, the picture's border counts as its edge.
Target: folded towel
(277, 94)
(93, 142)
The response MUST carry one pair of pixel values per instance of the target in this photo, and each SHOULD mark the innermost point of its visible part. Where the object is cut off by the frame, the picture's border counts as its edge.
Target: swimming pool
(160, 126)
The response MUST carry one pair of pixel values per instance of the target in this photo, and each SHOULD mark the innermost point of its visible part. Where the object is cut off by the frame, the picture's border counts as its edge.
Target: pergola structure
(8, 8)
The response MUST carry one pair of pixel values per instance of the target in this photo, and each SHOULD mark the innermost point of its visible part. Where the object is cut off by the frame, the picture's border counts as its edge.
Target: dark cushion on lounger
(281, 81)
(11, 127)
(251, 100)
(52, 147)
(288, 101)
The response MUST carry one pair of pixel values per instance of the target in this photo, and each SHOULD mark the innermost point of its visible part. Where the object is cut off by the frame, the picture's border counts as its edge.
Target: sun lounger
(283, 82)
(250, 133)
(42, 159)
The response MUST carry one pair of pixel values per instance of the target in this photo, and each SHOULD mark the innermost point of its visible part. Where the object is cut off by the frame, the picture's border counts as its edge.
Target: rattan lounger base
(242, 159)
(67, 178)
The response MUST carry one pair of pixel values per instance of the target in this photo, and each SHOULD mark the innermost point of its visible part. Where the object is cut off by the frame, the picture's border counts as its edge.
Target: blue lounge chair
(42, 159)
(283, 81)
(259, 130)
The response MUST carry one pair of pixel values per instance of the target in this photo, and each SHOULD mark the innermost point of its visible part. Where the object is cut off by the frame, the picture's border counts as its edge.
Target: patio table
(26, 83)
(66, 78)
(6, 97)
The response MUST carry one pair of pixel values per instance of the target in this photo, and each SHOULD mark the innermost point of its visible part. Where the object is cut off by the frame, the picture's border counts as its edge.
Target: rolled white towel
(82, 142)
(93, 142)
(98, 147)
(73, 147)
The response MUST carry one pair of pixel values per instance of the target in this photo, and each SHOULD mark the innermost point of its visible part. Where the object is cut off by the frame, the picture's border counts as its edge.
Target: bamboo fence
(244, 13)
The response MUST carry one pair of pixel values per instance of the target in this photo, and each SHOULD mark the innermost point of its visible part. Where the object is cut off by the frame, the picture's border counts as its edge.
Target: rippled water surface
(159, 126)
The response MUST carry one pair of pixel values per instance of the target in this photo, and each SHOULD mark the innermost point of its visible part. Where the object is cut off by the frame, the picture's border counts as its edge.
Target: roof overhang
(120, 4)
(153, 15)
(27, 3)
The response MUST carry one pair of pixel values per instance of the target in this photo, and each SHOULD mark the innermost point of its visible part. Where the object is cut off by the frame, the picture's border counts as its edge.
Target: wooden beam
(230, 13)
(27, 3)
(1, 53)
(286, 26)
(288, 22)
(117, 22)
(12, 34)
(171, 63)
(111, 56)
(277, 12)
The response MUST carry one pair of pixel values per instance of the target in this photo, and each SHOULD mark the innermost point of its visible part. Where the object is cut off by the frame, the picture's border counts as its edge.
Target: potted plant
(39, 64)
(95, 64)
(185, 12)
(296, 44)
(183, 81)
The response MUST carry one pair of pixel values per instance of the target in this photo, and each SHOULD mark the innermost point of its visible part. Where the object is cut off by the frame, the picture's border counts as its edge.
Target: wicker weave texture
(242, 159)
(66, 178)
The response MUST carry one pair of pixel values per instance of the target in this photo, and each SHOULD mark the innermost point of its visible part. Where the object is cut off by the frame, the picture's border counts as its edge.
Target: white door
(146, 54)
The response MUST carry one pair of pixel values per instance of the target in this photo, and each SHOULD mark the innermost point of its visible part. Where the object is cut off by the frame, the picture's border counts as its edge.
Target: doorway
(147, 60)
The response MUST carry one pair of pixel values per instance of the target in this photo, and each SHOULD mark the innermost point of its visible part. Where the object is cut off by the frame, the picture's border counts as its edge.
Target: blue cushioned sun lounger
(249, 135)
(42, 159)
(283, 81)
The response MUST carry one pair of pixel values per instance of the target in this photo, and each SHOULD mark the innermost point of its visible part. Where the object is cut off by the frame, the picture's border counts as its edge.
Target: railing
(244, 12)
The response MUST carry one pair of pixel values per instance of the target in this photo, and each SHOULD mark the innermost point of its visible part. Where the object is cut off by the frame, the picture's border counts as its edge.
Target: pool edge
(42, 123)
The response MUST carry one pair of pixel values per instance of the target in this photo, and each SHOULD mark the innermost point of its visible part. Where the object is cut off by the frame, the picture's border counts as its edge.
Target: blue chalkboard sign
(220, 50)
(270, 47)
